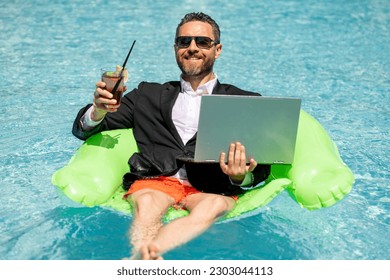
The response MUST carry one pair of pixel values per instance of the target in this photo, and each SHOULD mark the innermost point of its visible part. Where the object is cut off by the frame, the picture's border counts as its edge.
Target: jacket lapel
(219, 89)
(168, 98)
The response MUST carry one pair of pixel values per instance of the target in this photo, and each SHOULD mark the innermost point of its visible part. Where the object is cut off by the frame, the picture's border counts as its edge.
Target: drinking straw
(123, 67)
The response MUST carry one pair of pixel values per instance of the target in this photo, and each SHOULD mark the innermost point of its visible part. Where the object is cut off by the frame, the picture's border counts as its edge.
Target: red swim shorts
(168, 185)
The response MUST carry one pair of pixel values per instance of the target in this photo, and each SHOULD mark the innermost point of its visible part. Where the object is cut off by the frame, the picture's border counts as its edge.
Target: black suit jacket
(147, 110)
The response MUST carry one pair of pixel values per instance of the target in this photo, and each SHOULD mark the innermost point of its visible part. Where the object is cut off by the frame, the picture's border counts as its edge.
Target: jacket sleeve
(77, 129)
(260, 174)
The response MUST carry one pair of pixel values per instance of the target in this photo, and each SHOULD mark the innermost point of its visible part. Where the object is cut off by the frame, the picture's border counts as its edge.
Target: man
(164, 121)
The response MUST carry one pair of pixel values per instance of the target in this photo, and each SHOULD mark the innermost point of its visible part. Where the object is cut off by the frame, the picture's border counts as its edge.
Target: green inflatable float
(317, 178)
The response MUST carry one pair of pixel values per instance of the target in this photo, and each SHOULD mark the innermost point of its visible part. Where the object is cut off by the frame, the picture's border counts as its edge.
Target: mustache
(188, 56)
(193, 54)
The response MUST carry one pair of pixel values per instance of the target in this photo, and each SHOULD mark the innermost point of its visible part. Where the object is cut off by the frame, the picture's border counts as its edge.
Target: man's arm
(83, 125)
(89, 118)
(104, 113)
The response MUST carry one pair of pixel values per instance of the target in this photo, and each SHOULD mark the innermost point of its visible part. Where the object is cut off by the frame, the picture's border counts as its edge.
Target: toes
(148, 252)
(154, 252)
(145, 253)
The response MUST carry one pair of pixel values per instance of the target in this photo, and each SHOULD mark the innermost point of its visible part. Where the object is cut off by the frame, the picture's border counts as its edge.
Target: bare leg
(204, 210)
(149, 206)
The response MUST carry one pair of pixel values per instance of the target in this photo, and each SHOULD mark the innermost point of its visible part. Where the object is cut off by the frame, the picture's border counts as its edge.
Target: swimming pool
(333, 55)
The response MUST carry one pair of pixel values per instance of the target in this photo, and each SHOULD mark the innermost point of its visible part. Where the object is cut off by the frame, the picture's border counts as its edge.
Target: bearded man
(164, 119)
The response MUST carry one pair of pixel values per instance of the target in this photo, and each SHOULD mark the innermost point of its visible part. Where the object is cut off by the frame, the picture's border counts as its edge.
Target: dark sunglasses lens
(183, 42)
(203, 42)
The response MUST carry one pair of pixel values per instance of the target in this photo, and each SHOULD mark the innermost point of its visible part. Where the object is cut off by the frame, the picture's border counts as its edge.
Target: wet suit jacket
(147, 110)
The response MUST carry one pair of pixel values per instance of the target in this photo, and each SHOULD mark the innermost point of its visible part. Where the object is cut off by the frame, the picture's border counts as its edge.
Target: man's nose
(193, 45)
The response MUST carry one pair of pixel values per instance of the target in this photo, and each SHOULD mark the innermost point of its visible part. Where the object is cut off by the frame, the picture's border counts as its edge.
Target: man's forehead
(194, 28)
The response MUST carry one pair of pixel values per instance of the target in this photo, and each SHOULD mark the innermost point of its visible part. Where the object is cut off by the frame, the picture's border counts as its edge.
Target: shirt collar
(206, 88)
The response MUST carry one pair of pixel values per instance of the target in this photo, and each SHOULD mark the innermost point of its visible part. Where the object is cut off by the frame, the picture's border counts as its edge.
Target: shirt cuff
(248, 180)
(86, 121)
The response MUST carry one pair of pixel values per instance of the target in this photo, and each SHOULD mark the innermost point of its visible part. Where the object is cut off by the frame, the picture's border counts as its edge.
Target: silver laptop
(266, 126)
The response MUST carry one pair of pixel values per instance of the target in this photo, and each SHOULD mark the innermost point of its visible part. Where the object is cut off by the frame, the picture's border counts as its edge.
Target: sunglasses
(201, 41)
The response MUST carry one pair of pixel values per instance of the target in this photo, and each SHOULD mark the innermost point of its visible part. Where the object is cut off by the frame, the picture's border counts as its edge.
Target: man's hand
(102, 102)
(236, 167)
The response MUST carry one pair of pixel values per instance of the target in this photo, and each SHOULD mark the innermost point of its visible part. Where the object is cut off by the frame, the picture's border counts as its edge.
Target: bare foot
(154, 252)
(149, 252)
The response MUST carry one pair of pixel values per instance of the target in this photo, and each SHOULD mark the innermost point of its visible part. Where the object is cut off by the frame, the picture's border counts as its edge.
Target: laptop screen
(266, 126)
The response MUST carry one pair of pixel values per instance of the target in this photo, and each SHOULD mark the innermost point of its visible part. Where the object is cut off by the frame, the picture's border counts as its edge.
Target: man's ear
(218, 50)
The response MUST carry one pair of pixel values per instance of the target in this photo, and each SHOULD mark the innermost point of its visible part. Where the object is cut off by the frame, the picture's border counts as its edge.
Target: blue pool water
(332, 54)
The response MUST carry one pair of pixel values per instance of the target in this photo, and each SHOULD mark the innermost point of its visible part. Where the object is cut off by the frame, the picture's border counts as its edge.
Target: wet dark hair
(199, 16)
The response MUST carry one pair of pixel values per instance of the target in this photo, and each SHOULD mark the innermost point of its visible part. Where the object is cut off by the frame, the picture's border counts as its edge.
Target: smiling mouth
(193, 58)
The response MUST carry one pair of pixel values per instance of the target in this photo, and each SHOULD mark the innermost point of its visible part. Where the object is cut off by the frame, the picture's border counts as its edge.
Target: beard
(195, 69)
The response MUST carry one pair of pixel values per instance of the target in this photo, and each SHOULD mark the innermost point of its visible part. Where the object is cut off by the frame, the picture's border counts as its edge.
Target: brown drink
(110, 78)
